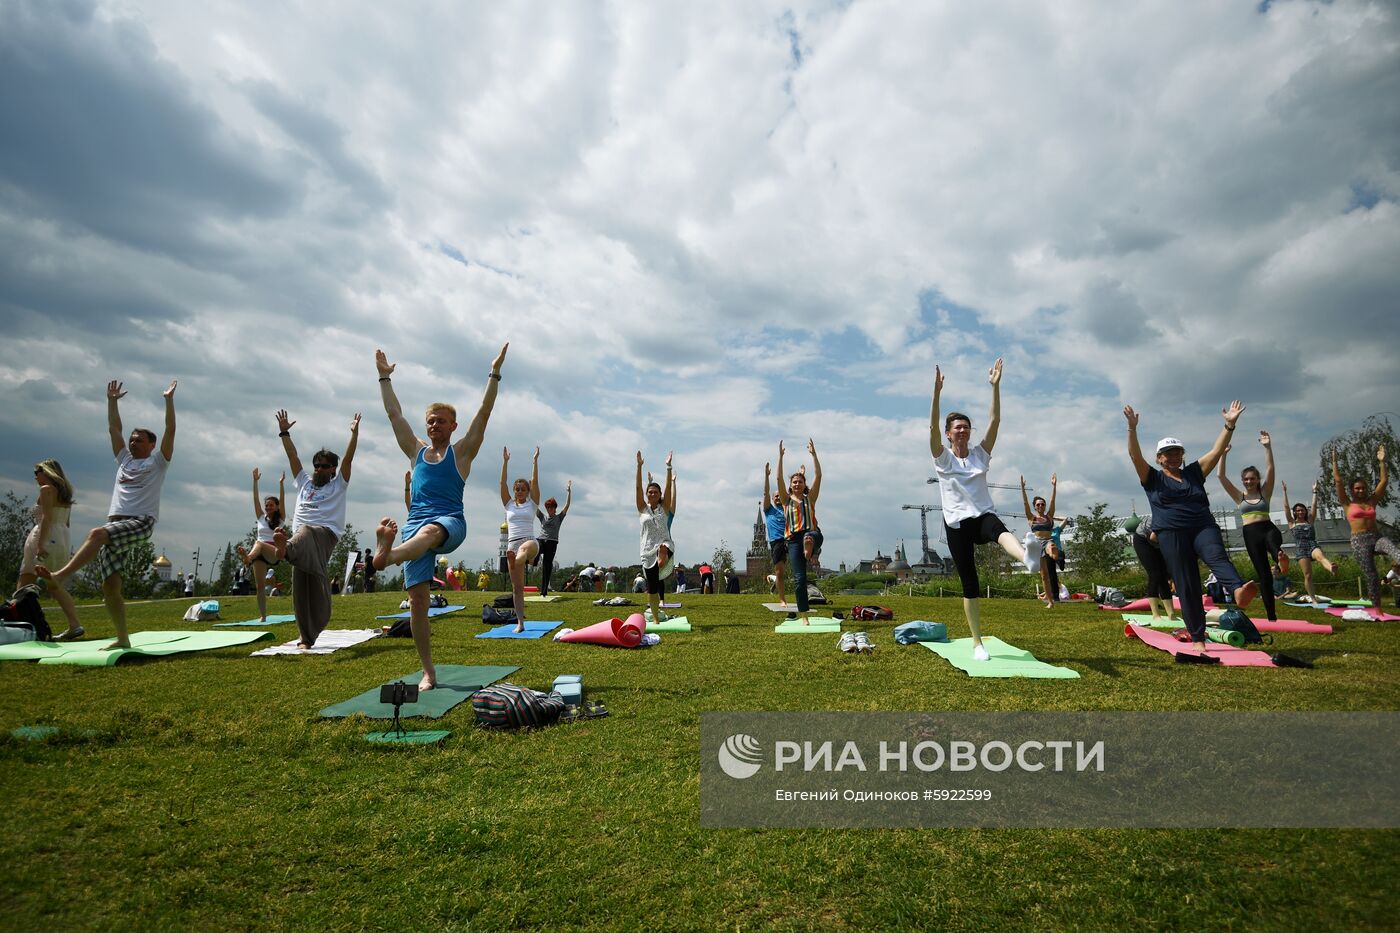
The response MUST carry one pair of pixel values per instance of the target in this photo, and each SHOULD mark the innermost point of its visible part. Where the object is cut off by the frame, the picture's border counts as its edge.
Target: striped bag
(507, 706)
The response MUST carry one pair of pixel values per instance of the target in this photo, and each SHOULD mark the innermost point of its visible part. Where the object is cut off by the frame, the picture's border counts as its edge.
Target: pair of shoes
(847, 643)
(592, 709)
(863, 644)
(71, 634)
(664, 617)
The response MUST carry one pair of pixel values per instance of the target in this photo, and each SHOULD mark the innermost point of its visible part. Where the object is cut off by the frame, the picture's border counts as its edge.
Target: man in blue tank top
(436, 523)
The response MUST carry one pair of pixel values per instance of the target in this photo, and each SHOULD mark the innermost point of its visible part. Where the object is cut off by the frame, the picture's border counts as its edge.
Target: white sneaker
(863, 643)
(980, 654)
(847, 642)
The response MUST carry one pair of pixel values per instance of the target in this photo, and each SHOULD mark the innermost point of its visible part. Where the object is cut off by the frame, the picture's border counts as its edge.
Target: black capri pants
(962, 543)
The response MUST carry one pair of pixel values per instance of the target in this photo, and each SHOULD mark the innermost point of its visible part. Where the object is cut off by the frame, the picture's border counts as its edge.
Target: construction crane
(927, 557)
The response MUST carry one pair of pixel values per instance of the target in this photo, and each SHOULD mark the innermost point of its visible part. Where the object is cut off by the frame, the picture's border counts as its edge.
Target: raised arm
(1288, 509)
(1312, 507)
(1054, 486)
(1230, 488)
(282, 495)
(167, 441)
(1232, 414)
(257, 499)
(1134, 449)
(641, 496)
(505, 483)
(347, 458)
(935, 435)
(668, 492)
(284, 431)
(535, 479)
(816, 485)
(767, 480)
(1026, 502)
(114, 418)
(403, 431)
(994, 417)
(781, 488)
(408, 489)
(1267, 488)
(466, 449)
(1380, 487)
(1343, 497)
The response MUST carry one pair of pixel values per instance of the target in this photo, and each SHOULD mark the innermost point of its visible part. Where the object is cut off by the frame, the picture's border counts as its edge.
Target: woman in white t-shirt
(521, 502)
(655, 512)
(262, 555)
(47, 544)
(969, 517)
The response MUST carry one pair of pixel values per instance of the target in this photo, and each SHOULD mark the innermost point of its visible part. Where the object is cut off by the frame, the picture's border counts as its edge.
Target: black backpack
(490, 615)
(23, 609)
(504, 601)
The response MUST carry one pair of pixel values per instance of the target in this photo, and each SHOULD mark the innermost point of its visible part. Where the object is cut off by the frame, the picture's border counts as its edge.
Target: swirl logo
(739, 756)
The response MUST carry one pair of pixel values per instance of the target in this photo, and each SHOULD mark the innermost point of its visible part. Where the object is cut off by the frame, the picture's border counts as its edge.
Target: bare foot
(279, 543)
(384, 542)
(117, 645)
(1282, 563)
(1049, 604)
(54, 578)
(428, 682)
(1245, 594)
(782, 602)
(243, 553)
(302, 646)
(520, 626)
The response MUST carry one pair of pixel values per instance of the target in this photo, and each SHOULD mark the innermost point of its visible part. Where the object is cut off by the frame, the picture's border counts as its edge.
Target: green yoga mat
(817, 625)
(1006, 660)
(679, 624)
(456, 683)
(143, 644)
(1145, 618)
(426, 737)
(257, 623)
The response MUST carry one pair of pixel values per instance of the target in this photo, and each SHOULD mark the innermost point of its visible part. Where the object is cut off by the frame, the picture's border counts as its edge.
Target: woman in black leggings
(549, 533)
(1262, 539)
(1149, 554)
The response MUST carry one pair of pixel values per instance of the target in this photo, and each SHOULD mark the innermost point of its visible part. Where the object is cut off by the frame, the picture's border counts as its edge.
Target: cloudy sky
(702, 227)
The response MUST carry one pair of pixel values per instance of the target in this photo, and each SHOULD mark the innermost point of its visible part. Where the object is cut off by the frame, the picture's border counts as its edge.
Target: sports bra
(1256, 508)
(1360, 510)
(1046, 526)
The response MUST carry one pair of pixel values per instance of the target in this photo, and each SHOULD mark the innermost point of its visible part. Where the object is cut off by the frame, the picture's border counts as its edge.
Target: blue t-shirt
(773, 518)
(1178, 506)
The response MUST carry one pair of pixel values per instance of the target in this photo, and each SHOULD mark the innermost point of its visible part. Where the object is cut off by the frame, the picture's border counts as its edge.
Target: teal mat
(432, 613)
(271, 620)
(143, 644)
(1006, 660)
(816, 625)
(34, 733)
(425, 737)
(532, 630)
(456, 683)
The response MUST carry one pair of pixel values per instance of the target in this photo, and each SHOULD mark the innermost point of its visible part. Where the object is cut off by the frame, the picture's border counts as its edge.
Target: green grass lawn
(202, 791)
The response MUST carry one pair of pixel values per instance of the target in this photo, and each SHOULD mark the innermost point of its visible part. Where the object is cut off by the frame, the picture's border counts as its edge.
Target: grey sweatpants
(308, 552)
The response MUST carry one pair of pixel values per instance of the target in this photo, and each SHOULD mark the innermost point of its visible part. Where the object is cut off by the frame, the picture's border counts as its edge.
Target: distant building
(899, 566)
(165, 572)
(758, 562)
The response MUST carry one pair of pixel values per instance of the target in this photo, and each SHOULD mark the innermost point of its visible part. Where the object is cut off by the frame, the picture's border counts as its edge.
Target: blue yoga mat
(257, 623)
(440, 611)
(532, 630)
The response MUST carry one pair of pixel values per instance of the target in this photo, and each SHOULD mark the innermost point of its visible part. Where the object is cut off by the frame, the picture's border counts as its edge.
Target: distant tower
(501, 563)
(899, 566)
(757, 560)
(164, 571)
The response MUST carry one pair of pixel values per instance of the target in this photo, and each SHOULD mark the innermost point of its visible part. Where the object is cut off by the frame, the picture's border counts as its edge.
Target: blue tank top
(436, 490)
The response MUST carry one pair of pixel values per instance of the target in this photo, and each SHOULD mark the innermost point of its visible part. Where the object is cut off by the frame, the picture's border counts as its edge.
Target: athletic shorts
(514, 544)
(420, 569)
(121, 554)
(777, 549)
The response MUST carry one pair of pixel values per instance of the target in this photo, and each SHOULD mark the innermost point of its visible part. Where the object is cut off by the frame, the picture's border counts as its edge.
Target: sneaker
(979, 653)
(863, 644)
(847, 643)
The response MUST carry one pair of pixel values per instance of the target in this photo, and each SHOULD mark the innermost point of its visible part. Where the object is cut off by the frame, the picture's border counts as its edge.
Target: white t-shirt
(964, 484)
(323, 506)
(136, 491)
(520, 520)
(265, 531)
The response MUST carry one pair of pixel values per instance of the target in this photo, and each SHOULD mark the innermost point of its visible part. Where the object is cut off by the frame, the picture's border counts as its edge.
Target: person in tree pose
(657, 548)
(804, 535)
(1366, 539)
(522, 501)
(269, 514)
(1040, 540)
(1262, 539)
(1300, 525)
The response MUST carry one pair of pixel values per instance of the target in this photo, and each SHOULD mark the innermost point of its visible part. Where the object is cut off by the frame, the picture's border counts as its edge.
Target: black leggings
(547, 549)
(653, 576)
(1052, 591)
(962, 543)
(1156, 566)
(1262, 541)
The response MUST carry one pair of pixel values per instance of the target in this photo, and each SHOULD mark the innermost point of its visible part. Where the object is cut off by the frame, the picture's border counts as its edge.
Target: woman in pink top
(1366, 538)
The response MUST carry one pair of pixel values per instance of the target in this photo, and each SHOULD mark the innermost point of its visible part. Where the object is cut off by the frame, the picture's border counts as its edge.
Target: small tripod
(398, 693)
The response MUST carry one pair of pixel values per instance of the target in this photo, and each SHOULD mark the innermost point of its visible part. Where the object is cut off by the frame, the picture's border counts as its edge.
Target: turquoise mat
(143, 644)
(456, 683)
(1006, 660)
(432, 613)
(271, 620)
(532, 630)
(425, 737)
(816, 625)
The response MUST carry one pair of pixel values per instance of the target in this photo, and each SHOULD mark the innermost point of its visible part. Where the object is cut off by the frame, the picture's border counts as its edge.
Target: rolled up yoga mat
(614, 633)
(1226, 636)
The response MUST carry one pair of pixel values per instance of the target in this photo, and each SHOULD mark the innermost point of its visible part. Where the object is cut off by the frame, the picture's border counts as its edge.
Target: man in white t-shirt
(131, 518)
(320, 521)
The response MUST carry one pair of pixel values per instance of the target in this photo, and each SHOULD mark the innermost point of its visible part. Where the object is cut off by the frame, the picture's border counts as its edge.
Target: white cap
(1167, 443)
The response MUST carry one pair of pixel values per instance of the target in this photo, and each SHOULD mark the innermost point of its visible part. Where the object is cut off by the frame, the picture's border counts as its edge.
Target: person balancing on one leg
(131, 518)
(320, 521)
(436, 522)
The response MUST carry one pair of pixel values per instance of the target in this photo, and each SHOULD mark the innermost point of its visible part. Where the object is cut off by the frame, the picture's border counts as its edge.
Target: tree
(228, 564)
(992, 563)
(15, 522)
(1356, 459)
(1099, 547)
(722, 559)
(139, 585)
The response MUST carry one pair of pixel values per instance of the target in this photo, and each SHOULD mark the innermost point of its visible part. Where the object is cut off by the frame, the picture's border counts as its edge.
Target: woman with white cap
(1181, 517)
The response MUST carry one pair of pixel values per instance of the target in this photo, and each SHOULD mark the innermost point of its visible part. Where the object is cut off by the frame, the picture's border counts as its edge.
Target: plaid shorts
(124, 534)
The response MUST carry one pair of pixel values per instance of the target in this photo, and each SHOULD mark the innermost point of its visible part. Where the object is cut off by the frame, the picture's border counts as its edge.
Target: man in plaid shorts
(132, 515)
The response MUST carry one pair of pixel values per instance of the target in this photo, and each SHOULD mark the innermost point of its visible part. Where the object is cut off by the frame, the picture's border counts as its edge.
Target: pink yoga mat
(1142, 605)
(613, 633)
(1228, 655)
(1377, 614)
(1292, 625)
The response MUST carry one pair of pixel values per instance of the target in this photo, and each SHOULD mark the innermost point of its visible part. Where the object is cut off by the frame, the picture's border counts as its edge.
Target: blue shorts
(420, 570)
